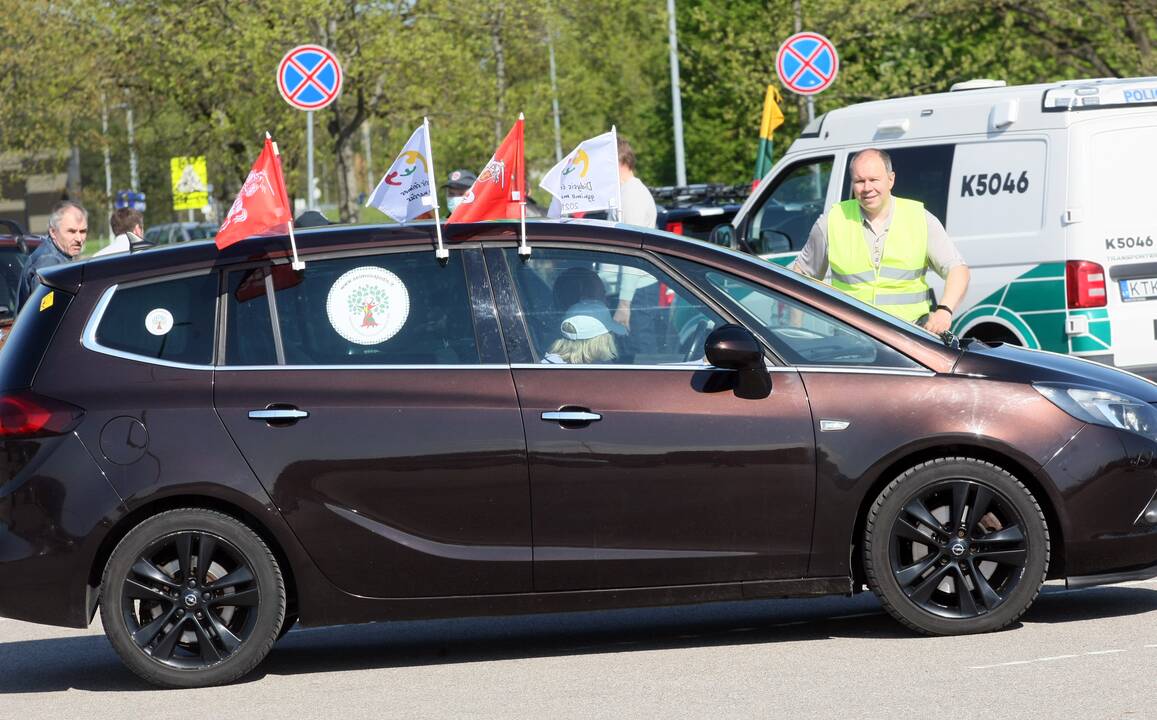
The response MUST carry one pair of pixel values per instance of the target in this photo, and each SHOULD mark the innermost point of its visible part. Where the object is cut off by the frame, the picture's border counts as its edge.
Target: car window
(11, 265)
(798, 333)
(202, 232)
(586, 307)
(922, 173)
(783, 221)
(169, 320)
(387, 309)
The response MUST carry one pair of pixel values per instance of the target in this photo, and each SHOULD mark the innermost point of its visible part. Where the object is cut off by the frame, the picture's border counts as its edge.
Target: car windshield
(202, 232)
(832, 292)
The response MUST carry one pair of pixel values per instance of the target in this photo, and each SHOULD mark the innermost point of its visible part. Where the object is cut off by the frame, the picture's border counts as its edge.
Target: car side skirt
(351, 609)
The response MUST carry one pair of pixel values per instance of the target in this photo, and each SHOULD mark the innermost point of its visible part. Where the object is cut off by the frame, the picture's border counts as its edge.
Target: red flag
(500, 187)
(262, 206)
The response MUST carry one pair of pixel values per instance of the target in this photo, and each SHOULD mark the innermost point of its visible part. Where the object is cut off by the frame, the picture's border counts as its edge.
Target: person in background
(880, 246)
(67, 231)
(638, 205)
(311, 218)
(638, 209)
(127, 230)
(457, 184)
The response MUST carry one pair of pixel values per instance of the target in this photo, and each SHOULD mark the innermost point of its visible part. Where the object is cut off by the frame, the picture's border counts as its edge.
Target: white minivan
(1044, 189)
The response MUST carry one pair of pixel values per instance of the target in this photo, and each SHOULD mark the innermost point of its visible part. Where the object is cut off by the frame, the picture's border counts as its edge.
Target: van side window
(796, 201)
(922, 173)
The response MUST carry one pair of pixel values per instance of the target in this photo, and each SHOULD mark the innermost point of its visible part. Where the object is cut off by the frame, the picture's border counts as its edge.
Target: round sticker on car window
(368, 305)
(159, 321)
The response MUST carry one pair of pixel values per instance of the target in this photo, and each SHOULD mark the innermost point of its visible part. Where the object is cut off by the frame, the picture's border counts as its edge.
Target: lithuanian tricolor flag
(772, 118)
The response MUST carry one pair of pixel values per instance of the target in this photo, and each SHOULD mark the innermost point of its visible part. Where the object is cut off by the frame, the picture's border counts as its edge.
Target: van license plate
(1139, 289)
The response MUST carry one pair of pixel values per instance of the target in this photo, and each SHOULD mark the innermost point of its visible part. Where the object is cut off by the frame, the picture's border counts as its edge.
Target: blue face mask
(454, 201)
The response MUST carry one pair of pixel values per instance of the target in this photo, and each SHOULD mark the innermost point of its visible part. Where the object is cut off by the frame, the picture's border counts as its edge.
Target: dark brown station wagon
(211, 447)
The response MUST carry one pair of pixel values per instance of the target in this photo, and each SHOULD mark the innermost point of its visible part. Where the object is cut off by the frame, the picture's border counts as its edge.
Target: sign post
(309, 78)
(807, 64)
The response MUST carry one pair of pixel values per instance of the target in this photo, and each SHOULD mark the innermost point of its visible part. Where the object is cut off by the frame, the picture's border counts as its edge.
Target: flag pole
(297, 263)
(523, 248)
(618, 180)
(441, 253)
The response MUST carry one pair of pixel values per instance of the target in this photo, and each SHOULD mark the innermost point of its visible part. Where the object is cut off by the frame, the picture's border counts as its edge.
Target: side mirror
(722, 235)
(733, 347)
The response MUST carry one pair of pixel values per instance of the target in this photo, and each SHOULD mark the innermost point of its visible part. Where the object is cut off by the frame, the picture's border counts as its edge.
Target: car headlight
(1103, 407)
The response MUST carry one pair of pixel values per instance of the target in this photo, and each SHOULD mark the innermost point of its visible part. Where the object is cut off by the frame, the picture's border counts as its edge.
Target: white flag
(588, 178)
(404, 192)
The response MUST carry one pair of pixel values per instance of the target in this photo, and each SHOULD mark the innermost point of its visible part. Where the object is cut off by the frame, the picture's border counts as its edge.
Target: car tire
(976, 574)
(192, 598)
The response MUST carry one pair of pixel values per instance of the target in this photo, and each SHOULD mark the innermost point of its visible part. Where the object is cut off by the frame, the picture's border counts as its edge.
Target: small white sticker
(368, 305)
(159, 321)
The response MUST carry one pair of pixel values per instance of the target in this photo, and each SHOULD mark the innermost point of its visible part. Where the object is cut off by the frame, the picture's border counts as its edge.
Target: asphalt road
(1083, 654)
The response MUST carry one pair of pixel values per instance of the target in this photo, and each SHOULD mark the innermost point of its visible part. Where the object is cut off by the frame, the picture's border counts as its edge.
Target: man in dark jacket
(67, 231)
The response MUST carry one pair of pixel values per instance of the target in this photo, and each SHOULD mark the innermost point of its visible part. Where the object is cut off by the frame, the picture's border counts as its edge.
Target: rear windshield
(30, 336)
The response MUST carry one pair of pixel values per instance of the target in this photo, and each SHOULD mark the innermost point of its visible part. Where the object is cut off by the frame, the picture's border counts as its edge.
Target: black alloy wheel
(192, 598)
(956, 545)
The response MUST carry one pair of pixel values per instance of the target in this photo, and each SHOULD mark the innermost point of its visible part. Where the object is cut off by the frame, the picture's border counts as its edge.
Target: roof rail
(977, 84)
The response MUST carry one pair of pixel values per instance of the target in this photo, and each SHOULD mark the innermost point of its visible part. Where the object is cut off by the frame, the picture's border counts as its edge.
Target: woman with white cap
(585, 340)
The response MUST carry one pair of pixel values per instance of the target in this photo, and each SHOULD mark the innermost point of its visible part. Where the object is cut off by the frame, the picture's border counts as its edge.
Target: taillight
(1085, 284)
(25, 414)
(675, 227)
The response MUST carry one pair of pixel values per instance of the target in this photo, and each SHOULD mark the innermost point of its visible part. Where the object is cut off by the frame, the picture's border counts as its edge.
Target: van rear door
(1121, 233)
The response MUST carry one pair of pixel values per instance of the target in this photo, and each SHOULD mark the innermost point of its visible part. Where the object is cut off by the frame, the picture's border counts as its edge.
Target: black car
(15, 247)
(695, 210)
(211, 446)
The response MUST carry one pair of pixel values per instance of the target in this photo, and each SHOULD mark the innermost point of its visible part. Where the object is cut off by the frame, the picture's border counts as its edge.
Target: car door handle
(278, 414)
(582, 416)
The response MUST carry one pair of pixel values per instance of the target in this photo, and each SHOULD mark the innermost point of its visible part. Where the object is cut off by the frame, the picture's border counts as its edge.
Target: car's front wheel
(192, 598)
(956, 546)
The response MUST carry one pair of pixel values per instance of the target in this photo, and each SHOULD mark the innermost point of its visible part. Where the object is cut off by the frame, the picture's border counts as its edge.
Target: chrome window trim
(284, 368)
(88, 337)
(861, 370)
(607, 366)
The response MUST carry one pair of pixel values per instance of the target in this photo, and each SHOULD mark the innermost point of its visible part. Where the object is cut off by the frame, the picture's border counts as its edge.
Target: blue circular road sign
(309, 77)
(807, 63)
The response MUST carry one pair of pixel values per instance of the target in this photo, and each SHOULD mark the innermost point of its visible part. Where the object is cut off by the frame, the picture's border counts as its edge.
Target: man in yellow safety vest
(879, 247)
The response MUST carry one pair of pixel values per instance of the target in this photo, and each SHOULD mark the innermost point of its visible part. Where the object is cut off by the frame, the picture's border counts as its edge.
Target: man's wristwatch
(942, 307)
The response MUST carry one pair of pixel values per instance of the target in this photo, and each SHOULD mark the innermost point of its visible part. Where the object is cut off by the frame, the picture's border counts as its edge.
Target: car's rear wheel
(956, 546)
(192, 598)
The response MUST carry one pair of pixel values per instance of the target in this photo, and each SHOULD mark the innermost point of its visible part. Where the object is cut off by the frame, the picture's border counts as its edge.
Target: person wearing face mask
(879, 247)
(456, 186)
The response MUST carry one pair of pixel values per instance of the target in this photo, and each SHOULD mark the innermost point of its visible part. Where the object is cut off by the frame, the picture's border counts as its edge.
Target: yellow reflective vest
(897, 286)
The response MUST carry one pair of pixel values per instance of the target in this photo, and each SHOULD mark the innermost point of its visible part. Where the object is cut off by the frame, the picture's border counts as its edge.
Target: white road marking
(1052, 658)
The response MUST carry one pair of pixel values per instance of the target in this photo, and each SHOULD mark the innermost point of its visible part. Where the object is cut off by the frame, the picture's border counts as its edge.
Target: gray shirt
(942, 252)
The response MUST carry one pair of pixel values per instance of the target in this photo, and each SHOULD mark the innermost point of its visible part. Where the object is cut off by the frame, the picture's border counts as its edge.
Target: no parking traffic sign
(807, 63)
(309, 77)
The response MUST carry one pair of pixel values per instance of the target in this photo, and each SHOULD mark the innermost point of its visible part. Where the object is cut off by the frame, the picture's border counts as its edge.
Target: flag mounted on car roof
(500, 190)
(588, 178)
(262, 206)
(405, 192)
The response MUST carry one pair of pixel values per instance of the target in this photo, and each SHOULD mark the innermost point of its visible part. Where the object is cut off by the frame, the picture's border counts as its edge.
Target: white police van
(1044, 188)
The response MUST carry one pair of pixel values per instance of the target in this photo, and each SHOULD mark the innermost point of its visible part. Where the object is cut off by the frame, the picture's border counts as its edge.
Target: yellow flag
(772, 115)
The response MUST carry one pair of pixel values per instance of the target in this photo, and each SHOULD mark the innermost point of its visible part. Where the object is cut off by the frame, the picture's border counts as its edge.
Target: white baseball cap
(582, 327)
